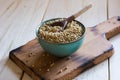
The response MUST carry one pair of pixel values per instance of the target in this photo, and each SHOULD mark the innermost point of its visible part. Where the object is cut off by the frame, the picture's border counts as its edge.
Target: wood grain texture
(7, 31)
(16, 24)
(31, 56)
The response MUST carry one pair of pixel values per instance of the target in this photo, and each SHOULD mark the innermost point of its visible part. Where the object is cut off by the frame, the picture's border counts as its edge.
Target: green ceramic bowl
(60, 49)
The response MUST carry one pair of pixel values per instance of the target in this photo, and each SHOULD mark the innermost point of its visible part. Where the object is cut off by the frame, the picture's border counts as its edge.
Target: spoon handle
(82, 11)
(69, 19)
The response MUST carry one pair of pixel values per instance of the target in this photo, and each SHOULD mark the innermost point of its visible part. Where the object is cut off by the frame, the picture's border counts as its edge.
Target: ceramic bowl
(60, 49)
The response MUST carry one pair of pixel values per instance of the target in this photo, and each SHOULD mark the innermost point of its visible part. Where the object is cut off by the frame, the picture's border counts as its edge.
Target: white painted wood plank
(63, 8)
(5, 5)
(114, 10)
(26, 13)
(28, 33)
(6, 10)
(19, 20)
(26, 36)
(97, 14)
(11, 71)
(7, 40)
(114, 60)
(66, 8)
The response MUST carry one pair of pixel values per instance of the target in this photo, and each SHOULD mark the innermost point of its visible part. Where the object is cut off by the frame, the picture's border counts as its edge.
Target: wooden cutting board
(43, 66)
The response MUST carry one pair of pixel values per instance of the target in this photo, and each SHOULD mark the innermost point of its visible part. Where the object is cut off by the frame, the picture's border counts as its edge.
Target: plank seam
(7, 8)
(46, 10)
(108, 68)
(108, 58)
(107, 5)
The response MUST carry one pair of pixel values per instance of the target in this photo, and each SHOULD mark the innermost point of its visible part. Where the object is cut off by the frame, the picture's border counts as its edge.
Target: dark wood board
(43, 66)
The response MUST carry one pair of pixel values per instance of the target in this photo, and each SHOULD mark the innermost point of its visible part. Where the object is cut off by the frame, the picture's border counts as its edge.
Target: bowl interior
(39, 26)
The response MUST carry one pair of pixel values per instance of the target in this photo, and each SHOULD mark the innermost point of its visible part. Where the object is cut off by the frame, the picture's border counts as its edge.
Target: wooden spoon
(69, 19)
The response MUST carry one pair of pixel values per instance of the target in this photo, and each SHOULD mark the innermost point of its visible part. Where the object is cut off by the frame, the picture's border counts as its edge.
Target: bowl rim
(42, 23)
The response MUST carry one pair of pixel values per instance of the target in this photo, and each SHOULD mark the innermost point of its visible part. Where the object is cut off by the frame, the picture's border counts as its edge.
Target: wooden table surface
(19, 19)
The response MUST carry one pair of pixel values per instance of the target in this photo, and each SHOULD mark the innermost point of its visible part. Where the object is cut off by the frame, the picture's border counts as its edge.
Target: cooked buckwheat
(54, 34)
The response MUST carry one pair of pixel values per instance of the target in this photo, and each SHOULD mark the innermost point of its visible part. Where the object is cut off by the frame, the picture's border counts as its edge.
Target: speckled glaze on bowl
(60, 49)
